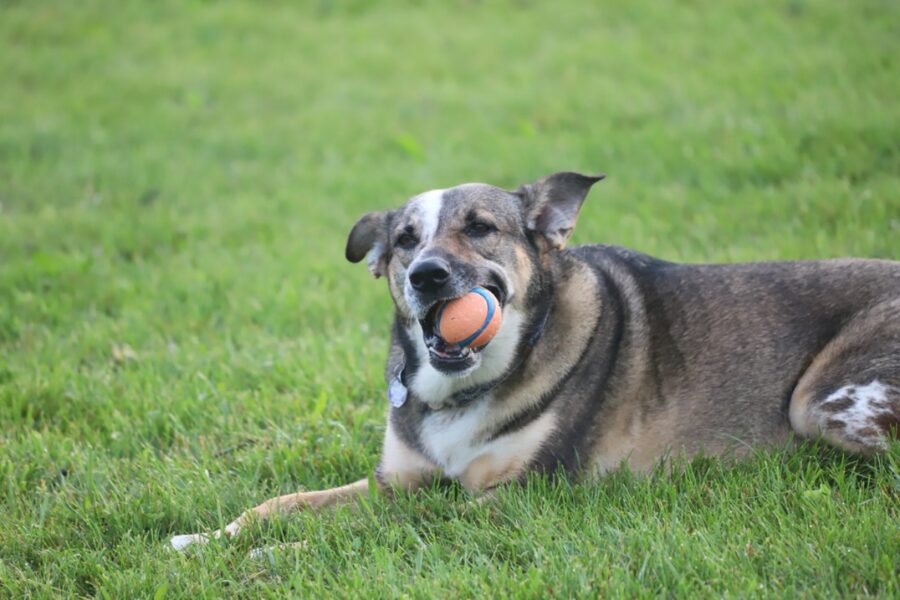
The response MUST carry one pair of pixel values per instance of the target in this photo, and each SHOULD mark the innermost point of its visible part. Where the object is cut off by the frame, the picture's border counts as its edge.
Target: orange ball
(472, 320)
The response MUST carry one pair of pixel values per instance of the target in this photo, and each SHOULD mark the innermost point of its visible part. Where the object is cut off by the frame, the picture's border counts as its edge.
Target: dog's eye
(479, 229)
(407, 241)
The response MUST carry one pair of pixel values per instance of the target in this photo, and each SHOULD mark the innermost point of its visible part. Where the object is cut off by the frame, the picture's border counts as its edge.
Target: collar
(538, 330)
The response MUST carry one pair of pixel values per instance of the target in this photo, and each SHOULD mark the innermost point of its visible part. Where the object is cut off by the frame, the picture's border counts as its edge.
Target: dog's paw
(182, 542)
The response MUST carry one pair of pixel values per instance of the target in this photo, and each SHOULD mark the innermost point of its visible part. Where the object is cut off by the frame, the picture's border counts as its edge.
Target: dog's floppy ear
(369, 239)
(552, 204)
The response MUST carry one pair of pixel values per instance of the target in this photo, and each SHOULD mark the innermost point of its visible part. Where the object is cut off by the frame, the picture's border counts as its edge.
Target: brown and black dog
(605, 356)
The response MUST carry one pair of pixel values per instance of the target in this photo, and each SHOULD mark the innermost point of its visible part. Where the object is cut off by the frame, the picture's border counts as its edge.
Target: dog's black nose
(430, 275)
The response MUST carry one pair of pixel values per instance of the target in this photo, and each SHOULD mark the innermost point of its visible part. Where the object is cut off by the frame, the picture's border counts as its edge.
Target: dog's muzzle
(433, 280)
(452, 358)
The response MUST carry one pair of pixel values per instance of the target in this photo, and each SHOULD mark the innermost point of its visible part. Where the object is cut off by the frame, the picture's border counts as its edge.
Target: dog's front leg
(401, 468)
(301, 501)
(281, 504)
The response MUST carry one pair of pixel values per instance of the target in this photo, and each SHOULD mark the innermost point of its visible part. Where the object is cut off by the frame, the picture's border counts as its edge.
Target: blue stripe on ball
(491, 306)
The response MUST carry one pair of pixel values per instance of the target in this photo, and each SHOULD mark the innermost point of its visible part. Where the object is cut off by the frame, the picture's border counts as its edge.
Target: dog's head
(442, 243)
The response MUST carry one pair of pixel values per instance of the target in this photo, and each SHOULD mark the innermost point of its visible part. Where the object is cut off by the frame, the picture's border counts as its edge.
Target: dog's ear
(369, 239)
(552, 204)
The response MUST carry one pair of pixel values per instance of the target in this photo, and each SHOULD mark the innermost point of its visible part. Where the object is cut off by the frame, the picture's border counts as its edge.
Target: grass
(181, 339)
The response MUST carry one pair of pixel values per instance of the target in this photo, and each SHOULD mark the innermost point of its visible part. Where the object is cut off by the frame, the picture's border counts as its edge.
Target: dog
(607, 357)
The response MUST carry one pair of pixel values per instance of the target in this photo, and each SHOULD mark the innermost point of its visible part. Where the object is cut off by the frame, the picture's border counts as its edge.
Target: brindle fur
(619, 358)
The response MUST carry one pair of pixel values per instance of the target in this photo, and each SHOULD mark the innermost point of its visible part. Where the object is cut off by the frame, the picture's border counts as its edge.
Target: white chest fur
(449, 437)
(457, 443)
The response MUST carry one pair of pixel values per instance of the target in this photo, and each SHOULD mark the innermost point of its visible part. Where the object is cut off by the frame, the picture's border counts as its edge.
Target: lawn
(181, 338)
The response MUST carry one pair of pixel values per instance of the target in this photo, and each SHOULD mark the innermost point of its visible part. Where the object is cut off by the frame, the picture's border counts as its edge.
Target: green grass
(180, 337)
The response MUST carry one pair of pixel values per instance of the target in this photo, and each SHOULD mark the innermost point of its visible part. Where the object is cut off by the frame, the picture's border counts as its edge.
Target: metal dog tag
(397, 392)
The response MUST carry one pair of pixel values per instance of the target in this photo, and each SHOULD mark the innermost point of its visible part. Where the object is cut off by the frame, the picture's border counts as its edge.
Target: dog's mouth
(452, 358)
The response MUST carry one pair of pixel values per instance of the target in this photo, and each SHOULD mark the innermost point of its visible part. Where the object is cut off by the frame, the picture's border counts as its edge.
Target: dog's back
(722, 348)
